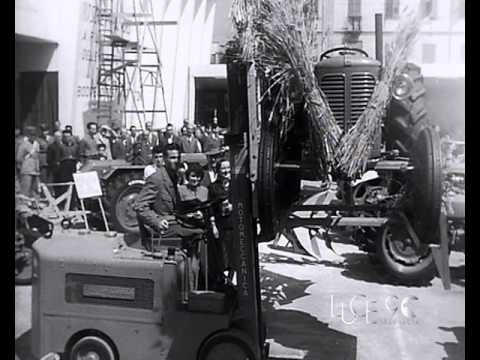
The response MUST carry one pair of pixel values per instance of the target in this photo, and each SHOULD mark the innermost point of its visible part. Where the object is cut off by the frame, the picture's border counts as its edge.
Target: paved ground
(303, 300)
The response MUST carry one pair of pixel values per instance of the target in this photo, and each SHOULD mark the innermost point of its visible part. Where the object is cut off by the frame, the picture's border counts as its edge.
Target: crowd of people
(52, 156)
(176, 200)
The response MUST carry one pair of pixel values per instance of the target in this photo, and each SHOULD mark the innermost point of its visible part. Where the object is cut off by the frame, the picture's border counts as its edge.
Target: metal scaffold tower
(129, 83)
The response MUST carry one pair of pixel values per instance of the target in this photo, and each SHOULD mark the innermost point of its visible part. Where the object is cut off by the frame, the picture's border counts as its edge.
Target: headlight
(402, 87)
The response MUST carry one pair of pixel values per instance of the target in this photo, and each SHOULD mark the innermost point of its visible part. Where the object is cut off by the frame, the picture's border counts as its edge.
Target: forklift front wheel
(92, 347)
(229, 344)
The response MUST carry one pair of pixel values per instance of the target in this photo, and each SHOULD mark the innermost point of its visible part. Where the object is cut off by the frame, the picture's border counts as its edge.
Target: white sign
(87, 184)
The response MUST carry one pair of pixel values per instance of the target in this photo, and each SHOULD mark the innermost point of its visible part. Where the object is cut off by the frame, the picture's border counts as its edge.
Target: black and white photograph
(240, 179)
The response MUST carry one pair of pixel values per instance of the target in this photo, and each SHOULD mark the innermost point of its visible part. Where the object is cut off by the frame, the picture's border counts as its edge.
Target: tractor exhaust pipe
(379, 37)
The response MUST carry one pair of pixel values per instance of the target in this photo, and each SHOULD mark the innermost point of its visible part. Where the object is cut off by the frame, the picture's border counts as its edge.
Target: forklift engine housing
(95, 287)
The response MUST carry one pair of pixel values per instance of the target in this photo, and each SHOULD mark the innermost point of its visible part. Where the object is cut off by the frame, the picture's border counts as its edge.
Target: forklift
(95, 297)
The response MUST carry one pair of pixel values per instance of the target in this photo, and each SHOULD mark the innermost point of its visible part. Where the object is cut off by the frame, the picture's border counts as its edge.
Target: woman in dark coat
(219, 194)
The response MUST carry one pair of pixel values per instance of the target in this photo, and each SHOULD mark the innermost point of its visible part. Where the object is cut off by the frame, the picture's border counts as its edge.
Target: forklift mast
(243, 139)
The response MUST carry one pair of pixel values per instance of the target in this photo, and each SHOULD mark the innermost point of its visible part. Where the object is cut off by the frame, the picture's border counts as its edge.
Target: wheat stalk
(279, 37)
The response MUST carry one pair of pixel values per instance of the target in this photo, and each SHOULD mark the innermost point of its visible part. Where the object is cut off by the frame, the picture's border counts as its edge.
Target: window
(392, 9)
(354, 8)
(462, 54)
(430, 8)
(428, 53)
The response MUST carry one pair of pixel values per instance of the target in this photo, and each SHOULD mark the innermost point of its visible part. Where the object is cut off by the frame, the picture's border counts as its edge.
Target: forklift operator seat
(151, 238)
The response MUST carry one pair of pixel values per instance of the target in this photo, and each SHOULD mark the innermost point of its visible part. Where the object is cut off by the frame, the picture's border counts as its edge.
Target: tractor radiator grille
(362, 85)
(347, 106)
(333, 86)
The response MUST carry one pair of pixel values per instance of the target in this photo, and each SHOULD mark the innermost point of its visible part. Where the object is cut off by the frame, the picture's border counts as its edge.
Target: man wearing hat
(28, 163)
(44, 140)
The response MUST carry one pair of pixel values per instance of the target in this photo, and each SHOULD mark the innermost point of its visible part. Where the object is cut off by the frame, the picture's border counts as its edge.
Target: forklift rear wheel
(92, 348)
(230, 344)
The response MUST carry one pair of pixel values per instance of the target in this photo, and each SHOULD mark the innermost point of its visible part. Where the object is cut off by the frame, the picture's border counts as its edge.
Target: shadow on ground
(457, 274)
(305, 332)
(454, 350)
(356, 266)
(271, 258)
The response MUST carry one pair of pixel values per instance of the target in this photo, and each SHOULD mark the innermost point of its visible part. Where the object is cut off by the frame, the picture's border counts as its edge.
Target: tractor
(392, 211)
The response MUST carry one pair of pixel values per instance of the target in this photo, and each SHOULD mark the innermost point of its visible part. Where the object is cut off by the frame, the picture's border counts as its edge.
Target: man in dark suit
(150, 135)
(156, 202)
(212, 141)
(168, 137)
(189, 143)
(155, 207)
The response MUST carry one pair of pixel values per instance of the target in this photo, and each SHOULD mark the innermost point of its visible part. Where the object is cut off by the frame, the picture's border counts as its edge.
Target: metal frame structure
(127, 68)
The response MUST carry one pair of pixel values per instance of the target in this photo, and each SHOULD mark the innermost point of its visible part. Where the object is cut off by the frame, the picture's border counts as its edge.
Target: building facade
(56, 63)
(439, 49)
(440, 46)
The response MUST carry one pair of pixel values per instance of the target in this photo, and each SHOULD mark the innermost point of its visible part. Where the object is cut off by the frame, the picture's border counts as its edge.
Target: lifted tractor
(392, 211)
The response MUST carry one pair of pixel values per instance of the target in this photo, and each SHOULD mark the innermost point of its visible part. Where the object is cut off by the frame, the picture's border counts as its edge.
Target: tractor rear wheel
(122, 192)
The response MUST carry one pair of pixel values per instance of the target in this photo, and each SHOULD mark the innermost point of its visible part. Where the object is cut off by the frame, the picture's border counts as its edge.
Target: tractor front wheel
(406, 262)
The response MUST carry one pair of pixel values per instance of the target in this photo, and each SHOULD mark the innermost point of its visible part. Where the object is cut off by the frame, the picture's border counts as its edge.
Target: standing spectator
(102, 152)
(43, 141)
(169, 137)
(75, 137)
(68, 162)
(19, 139)
(28, 163)
(57, 126)
(201, 137)
(212, 141)
(47, 135)
(118, 146)
(189, 143)
(88, 145)
(105, 139)
(219, 194)
(130, 140)
(54, 156)
(140, 153)
(152, 137)
(183, 131)
(157, 162)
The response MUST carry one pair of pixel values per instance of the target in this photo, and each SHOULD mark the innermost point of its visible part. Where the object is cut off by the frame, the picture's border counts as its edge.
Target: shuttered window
(392, 9)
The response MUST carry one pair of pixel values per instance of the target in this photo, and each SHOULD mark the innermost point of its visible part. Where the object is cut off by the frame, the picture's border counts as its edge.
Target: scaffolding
(130, 87)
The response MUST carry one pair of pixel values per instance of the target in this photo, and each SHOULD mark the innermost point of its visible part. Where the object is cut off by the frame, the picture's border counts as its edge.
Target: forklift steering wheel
(343, 50)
